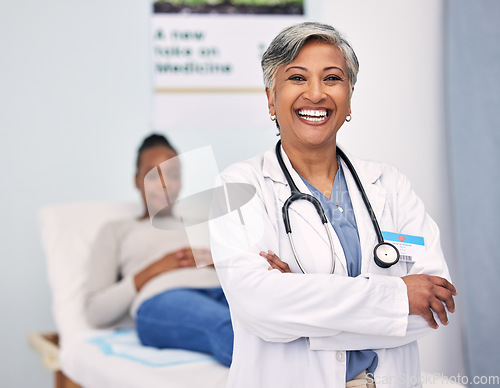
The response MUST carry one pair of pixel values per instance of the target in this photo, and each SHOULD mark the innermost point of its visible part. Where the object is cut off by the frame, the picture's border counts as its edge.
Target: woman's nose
(314, 92)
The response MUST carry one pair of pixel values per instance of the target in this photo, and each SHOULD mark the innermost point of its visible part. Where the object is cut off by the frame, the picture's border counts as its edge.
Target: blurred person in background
(151, 274)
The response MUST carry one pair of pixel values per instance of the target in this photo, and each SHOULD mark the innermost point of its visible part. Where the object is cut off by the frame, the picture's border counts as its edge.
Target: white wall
(75, 98)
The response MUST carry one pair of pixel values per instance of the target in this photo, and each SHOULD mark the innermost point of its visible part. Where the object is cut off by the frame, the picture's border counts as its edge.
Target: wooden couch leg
(47, 345)
(62, 381)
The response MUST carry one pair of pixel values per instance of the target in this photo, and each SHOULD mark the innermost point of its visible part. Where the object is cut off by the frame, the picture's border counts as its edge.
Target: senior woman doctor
(359, 325)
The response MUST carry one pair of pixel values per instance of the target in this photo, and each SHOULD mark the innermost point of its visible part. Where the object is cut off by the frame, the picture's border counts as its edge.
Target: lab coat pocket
(406, 263)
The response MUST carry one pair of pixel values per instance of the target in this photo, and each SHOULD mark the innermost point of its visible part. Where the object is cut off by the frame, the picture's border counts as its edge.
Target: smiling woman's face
(311, 96)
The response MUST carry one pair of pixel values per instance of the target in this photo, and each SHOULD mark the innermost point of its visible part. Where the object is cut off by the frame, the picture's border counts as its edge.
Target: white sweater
(121, 250)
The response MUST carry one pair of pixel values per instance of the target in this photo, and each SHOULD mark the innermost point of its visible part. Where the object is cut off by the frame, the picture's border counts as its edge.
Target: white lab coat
(292, 330)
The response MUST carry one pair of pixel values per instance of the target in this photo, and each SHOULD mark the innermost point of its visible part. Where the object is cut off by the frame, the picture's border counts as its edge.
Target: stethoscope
(385, 254)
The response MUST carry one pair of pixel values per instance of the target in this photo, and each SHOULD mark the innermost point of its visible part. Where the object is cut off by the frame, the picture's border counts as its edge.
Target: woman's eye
(296, 78)
(333, 78)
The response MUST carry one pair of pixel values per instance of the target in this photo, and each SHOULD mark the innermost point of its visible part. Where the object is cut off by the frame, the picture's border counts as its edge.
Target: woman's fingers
(185, 258)
(444, 291)
(445, 295)
(438, 307)
(429, 317)
(428, 294)
(442, 282)
(275, 262)
(282, 266)
(202, 257)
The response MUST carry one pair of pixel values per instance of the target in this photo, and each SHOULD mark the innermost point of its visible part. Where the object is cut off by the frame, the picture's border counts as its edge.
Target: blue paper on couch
(126, 344)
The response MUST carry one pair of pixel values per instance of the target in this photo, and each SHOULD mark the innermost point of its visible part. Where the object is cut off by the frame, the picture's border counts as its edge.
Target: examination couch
(83, 357)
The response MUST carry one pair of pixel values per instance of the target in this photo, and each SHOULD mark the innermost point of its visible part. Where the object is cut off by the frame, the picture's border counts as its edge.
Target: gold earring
(348, 117)
(272, 117)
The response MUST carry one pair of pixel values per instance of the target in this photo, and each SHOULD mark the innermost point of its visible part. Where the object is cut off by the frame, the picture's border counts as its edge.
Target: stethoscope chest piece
(385, 255)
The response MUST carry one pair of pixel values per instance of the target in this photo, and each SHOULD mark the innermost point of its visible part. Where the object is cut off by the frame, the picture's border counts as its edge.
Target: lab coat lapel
(301, 208)
(368, 174)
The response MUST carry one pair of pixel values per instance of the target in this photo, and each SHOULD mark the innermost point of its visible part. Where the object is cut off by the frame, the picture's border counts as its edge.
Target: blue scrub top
(344, 224)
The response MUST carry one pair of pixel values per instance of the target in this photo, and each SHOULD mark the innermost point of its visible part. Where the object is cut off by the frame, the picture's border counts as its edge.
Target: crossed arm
(426, 293)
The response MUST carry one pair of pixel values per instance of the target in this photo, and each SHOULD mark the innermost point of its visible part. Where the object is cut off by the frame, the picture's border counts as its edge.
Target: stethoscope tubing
(361, 189)
(297, 195)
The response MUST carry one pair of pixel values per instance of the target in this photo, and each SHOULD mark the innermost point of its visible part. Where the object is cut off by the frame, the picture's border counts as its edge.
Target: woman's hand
(203, 257)
(430, 293)
(181, 258)
(275, 262)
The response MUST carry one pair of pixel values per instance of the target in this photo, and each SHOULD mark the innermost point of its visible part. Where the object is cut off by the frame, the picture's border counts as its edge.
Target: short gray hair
(286, 46)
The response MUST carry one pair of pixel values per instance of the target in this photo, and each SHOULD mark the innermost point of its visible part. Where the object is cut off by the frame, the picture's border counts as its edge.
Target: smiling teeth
(313, 115)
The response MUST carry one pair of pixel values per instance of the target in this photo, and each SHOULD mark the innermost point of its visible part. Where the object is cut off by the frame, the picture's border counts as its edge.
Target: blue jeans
(188, 318)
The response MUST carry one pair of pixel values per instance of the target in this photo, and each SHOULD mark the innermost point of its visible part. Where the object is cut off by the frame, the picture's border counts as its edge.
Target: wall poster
(206, 60)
